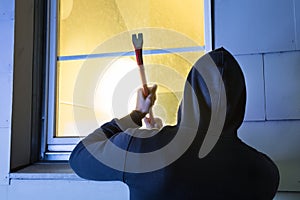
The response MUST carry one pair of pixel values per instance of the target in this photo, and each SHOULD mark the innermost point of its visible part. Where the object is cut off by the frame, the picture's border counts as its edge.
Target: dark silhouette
(231, 170)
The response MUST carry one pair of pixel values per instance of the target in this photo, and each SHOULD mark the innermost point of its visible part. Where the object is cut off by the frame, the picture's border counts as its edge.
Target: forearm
(90, 156)
(133, 120)
(87, 166)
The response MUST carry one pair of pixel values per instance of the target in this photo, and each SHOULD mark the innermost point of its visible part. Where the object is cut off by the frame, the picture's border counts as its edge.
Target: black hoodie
(199, 158)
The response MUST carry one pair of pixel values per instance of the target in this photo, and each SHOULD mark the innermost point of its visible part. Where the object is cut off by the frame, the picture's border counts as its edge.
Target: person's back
(175, 170)
(232, 170)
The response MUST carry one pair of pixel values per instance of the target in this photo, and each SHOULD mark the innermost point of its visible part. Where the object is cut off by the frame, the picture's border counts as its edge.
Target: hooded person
(201, 157)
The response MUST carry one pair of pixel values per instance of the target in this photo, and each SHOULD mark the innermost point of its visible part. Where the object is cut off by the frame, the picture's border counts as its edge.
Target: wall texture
(264, 37)
(6, 77)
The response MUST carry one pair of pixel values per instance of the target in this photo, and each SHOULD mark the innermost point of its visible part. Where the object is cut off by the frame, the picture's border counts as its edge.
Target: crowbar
(138, 47)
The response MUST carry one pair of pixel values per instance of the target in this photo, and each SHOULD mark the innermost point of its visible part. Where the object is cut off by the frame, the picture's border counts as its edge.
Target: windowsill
(46, 171)
(51, 180)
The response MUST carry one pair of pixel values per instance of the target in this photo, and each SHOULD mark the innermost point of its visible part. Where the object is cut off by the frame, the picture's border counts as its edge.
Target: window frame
(53, 148)
(59, 148)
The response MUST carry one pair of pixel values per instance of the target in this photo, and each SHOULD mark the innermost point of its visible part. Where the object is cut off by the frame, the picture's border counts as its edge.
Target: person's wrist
(137, 117)
(140, 113)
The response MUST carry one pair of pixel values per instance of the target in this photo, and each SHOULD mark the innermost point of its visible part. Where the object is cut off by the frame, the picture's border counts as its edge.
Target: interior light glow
(110, 83)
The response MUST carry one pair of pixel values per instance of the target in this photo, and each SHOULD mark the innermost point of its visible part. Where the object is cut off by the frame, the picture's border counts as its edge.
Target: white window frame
(59, 148)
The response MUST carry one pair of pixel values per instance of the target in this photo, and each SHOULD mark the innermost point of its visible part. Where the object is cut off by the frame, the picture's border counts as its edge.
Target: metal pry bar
(137, 41)
(138, 47)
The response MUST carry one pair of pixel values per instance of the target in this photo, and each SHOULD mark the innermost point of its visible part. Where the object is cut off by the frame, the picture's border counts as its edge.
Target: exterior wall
(6, 77)
(66, 189)
(264, 37)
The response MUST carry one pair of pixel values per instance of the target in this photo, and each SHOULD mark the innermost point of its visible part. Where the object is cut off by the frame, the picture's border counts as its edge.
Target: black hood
(214, 97)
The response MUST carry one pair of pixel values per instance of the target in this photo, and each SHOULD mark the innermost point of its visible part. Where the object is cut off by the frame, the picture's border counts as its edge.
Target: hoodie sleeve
(133, 120)
(86, 158)
(87, 166)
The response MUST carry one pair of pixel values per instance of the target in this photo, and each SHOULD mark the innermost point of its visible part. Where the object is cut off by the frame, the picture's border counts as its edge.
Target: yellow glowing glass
(93, 90)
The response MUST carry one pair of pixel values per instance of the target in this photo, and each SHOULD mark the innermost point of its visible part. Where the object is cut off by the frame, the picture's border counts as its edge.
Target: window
(91, 71)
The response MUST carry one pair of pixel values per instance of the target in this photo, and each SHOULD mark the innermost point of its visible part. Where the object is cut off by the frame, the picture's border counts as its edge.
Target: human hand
(157, 124)
(143, 104)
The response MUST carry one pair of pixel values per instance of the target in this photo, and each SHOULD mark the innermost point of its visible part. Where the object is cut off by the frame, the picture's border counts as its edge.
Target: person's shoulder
(261, 162)
(261, 171)
(253, 151)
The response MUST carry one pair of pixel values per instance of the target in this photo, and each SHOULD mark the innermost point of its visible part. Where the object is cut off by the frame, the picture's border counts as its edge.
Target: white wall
(264, 36)
(66, 190)
(6, 77)
(257, 26)
(6, 74)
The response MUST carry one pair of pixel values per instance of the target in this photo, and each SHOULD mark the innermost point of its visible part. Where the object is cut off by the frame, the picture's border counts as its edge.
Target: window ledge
(56, 179)
(46, 171)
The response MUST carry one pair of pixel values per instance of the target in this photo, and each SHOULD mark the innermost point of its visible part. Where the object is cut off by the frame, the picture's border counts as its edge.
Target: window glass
(97, 75)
